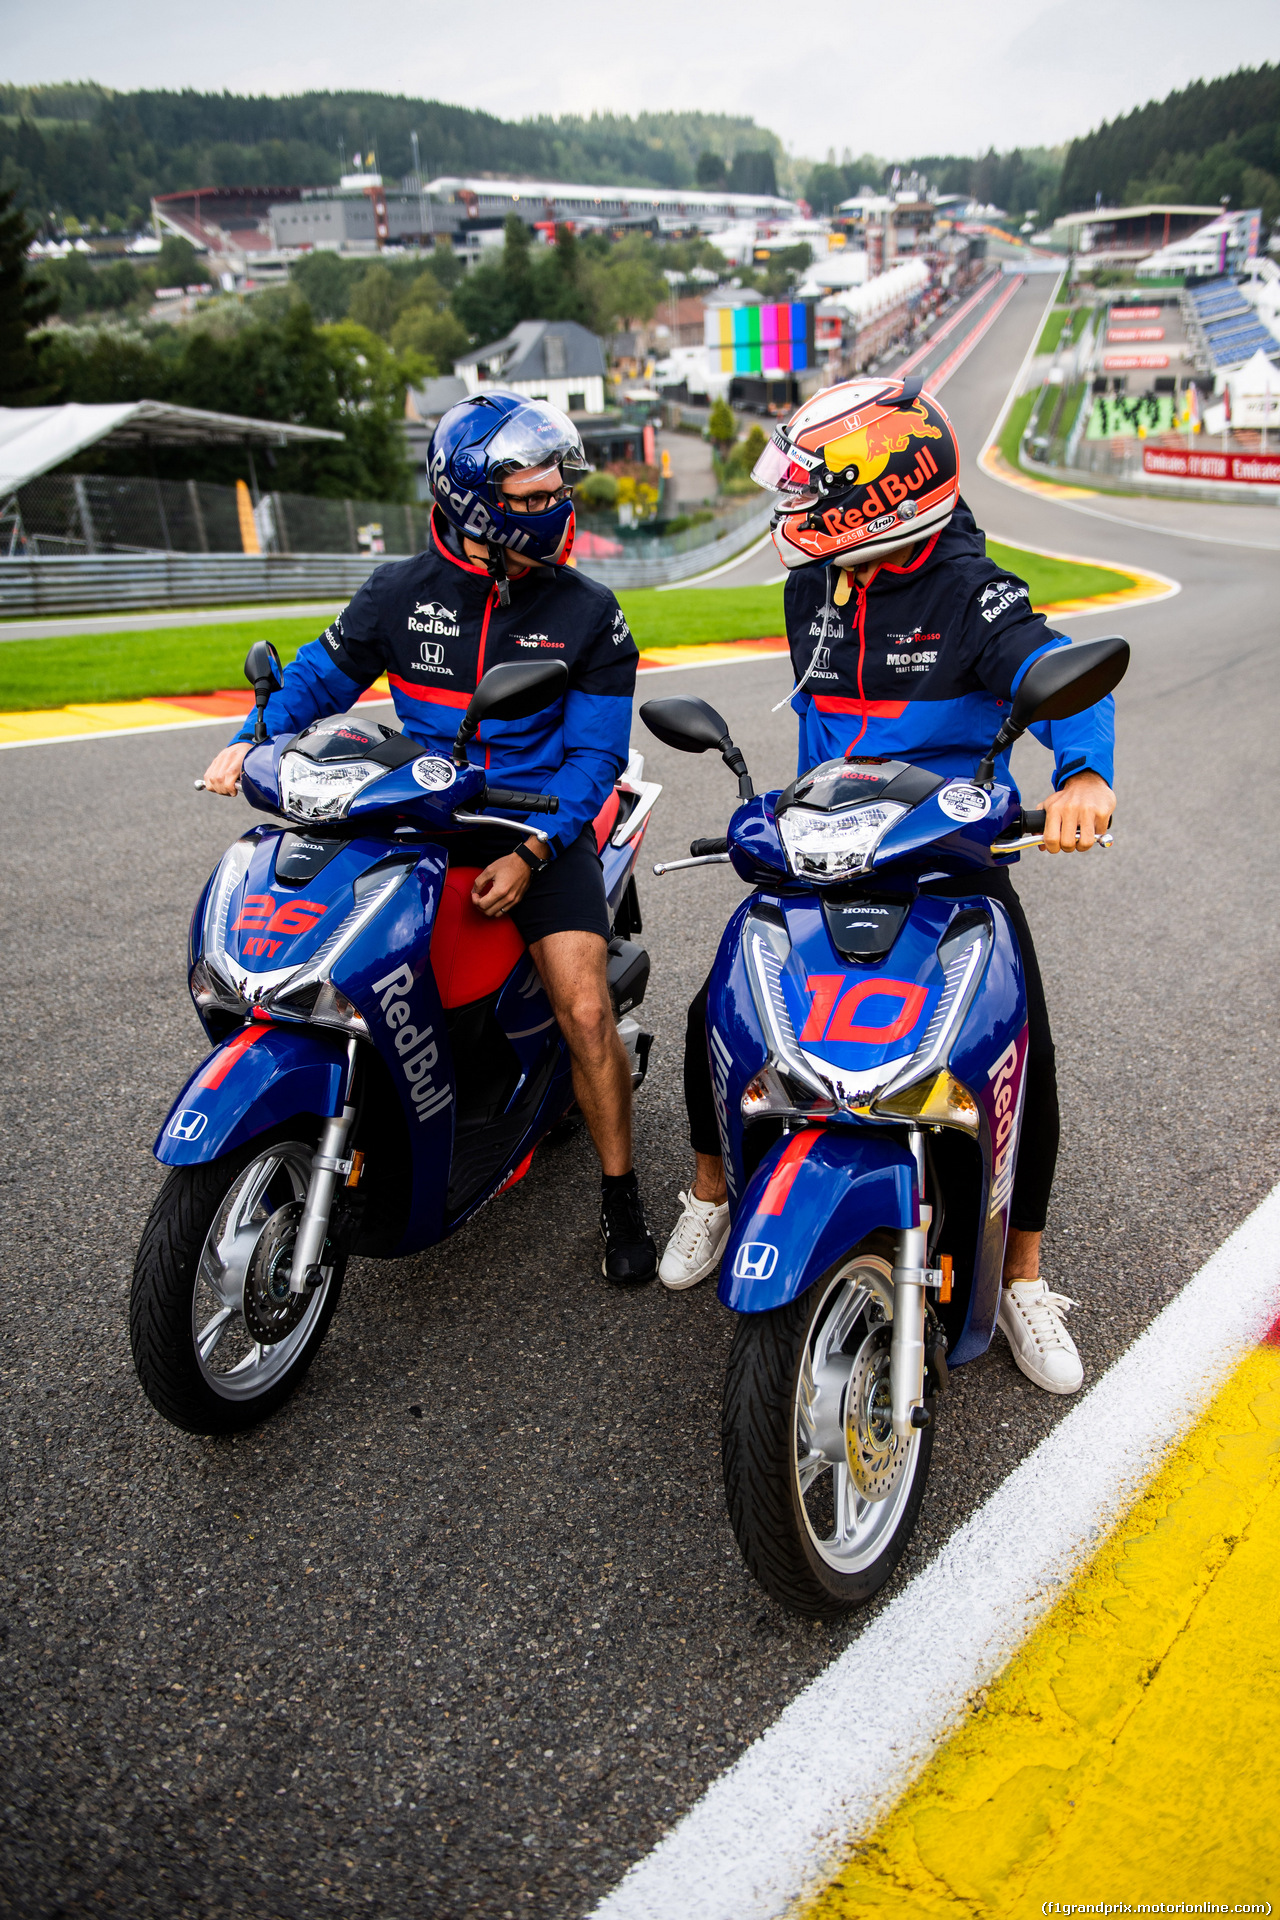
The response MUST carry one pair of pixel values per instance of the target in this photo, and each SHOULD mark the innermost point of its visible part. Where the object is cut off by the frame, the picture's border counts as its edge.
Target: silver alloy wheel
(852, 1474)
(243, 1248)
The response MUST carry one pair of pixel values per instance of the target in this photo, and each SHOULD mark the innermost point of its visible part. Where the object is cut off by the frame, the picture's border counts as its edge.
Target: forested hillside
(1214, 138)
(84, 151)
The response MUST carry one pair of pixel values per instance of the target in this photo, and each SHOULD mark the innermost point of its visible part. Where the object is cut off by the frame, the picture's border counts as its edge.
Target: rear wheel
(219, 1341)
(822, 1494)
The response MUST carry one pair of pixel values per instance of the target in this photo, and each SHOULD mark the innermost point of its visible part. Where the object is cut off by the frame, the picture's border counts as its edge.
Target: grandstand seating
(1223, 325)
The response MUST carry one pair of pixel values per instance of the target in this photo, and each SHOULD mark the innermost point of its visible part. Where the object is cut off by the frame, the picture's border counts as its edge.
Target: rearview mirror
(511, 692)
(263, 670)
(693, 726)
(1067, 681)
(262, 664)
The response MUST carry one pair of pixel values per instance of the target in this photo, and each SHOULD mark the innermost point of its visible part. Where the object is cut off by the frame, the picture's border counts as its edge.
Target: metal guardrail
(659, 563)
(107, 583)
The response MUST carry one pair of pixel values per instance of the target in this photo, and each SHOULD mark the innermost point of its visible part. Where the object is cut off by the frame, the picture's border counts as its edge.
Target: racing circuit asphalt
(464, 1629)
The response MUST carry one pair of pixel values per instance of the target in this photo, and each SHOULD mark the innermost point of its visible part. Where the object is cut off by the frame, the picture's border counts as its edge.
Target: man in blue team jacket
(908, 642)
(492, 586)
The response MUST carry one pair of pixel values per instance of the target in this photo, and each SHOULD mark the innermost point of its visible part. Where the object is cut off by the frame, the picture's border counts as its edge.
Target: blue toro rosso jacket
(922, 664)
(433, 625)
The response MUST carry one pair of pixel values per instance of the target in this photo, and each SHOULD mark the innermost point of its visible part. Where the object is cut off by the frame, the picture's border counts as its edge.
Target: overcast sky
(939, 76)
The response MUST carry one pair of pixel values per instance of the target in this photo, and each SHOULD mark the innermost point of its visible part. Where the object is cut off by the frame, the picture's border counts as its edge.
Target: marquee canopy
(33, 440)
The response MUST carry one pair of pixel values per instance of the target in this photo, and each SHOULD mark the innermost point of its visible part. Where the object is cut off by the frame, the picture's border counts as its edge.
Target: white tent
(33, 440)
(1255, 393)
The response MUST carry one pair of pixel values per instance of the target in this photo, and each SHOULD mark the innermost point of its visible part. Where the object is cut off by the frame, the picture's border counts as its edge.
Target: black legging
(1038, 1150)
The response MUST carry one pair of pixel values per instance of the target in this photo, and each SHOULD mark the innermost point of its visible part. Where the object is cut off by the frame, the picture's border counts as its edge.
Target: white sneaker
(1031, 1320)
(694, 1249)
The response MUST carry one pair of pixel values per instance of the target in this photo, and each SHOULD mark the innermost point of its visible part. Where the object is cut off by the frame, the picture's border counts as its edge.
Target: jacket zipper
(489, 606)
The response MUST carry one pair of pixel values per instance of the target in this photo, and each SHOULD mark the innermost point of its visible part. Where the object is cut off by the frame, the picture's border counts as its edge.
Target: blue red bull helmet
(484, 439)
(861, 468)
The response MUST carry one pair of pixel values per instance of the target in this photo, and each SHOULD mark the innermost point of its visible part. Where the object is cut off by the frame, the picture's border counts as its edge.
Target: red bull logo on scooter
(1007, 1080)
(418, 1051)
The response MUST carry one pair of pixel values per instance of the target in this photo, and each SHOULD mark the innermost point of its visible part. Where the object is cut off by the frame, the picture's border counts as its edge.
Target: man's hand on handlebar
(503, 884)
(222, 775)
(1077, 813)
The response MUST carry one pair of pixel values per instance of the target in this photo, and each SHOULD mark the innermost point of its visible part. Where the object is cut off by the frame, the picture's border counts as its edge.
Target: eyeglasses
(535, 502)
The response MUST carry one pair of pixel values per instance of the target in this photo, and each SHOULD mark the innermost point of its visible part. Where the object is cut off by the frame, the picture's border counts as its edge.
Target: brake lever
(702, 860)
(1103, 840)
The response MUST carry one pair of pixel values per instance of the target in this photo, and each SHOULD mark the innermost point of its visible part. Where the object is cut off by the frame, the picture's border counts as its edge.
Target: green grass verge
(1052, 329)
(175, 660)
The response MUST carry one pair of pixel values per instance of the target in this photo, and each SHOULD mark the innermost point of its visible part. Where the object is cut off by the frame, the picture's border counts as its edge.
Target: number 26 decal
(832, 1011)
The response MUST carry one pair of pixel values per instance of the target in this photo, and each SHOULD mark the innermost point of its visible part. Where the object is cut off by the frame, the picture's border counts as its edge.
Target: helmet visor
(782, 468)
(538, 435)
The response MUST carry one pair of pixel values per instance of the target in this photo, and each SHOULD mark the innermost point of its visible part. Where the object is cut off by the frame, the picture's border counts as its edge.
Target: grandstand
(1223, 328)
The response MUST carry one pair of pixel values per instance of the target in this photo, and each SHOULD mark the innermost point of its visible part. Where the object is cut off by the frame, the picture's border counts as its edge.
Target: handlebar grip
(521, 802)
(1033, 819)
(699, 848)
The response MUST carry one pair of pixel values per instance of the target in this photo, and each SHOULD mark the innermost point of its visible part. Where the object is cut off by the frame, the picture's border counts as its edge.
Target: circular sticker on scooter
(433, 774)
(963, 802)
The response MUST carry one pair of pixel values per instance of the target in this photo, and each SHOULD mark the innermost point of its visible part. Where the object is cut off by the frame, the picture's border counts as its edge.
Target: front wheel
(219, 1341)
(822, 1494)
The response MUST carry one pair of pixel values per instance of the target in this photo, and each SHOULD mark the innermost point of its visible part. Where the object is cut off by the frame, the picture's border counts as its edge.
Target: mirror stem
(261, 695)
(985, 776)
(732, 757)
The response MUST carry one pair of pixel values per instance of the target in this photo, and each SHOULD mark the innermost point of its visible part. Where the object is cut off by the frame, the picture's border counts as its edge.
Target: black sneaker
(630, 1254)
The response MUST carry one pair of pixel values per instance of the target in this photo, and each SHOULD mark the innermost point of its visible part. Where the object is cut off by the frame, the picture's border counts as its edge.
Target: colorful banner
(774, 339)
(1252, 469)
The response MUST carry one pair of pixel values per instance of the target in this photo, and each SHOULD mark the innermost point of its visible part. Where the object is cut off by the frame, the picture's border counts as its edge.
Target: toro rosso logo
(417, 1049)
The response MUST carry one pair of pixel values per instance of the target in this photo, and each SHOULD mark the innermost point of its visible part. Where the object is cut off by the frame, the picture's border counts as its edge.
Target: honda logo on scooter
(754, 1260)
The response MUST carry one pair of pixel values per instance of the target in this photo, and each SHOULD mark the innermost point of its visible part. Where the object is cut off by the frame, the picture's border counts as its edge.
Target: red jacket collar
(913, 565)
(465, 566)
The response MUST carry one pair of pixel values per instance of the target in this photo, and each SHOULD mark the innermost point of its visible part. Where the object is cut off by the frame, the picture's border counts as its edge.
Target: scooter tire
(758, 1429)
(161, 1302)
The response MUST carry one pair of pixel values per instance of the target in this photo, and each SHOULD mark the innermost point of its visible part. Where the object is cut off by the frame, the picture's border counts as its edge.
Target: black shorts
(566, 897)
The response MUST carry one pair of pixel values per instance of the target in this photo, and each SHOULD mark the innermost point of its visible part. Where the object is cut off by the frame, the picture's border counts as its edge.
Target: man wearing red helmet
(908, 643)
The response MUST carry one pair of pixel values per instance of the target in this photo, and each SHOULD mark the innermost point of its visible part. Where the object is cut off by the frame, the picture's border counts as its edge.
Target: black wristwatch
(531, 860)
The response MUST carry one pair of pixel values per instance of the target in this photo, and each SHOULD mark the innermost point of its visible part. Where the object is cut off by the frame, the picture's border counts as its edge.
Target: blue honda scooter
(385, 1059)
(867, 1037)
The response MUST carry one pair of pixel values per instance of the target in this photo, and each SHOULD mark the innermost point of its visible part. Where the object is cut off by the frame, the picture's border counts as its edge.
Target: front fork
(912, 1275)
(326, 1164)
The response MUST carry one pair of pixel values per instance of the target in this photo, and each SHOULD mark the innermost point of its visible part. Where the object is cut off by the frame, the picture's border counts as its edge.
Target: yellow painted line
(1126, 1754)
(994, 462)
(86, 719)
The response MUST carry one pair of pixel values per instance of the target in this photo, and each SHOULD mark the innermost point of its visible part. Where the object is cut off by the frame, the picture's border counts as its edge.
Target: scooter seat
(471, 955)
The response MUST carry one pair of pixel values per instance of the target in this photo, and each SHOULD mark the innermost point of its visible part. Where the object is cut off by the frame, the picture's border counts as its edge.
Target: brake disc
(270, 1310)
(871, 1447)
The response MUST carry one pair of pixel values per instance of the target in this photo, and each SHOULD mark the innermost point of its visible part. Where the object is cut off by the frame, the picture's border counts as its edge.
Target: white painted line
(832, 1765)
(937, 380)
(147, 620)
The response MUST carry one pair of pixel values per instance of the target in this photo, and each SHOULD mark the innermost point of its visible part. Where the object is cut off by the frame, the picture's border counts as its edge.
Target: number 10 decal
(831, 1016)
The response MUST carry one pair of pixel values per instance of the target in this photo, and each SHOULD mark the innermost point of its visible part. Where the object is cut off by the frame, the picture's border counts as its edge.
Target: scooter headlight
(312, 790)
(833, 846)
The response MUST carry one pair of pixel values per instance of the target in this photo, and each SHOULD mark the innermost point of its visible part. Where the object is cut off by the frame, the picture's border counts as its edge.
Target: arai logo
(432, 773)
(963, 802)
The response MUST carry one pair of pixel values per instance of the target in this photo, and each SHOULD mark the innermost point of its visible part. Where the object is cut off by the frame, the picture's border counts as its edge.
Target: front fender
(813, 1197)
(263, 1075)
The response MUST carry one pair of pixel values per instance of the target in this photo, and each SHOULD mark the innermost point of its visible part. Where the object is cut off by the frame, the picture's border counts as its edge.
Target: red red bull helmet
(861, 468)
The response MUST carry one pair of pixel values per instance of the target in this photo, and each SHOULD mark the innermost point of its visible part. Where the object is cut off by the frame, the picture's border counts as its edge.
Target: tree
(374, 301)
(753, 173)
(825, 188)
(722, 427)
(325, 283)
(711, 173)
(25, 303)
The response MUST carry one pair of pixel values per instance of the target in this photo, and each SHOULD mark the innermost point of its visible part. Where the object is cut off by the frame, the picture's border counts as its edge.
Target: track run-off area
(464, 1631)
